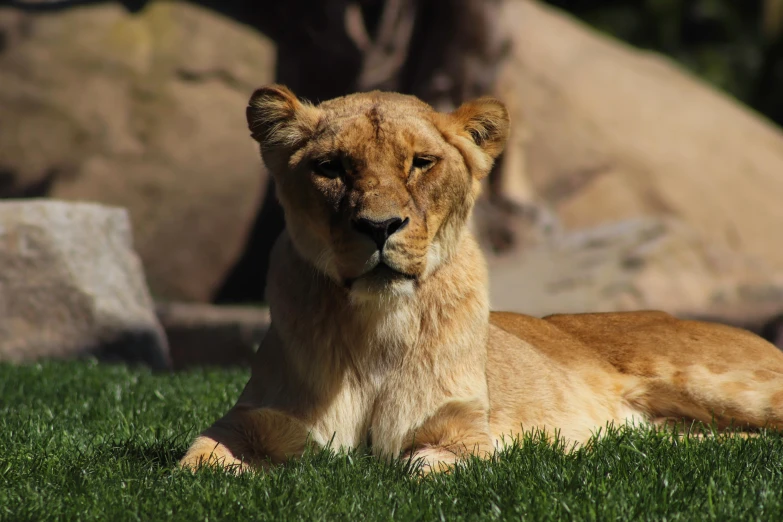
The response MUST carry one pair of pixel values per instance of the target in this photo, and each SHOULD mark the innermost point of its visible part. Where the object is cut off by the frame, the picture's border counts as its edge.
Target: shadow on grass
(163, 454)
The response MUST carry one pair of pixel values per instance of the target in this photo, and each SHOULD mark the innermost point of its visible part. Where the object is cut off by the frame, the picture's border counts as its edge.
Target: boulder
(71, 285)
(143, 110)
(624, 145)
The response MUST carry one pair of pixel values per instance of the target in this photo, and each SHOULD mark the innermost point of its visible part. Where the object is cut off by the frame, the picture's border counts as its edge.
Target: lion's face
(376, 187)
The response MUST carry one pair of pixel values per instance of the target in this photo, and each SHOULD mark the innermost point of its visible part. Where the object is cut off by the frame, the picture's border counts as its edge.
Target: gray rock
(72, 285)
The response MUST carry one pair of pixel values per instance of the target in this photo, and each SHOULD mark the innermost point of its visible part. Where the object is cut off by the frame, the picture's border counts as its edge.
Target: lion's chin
(382, 282)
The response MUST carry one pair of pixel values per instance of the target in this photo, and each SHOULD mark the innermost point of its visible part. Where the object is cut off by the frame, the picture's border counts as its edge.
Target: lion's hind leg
(743, 395)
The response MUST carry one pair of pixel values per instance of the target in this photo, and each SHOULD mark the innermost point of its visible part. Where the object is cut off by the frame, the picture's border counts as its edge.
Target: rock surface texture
(665, 193)
(71, 285)
(143, 110)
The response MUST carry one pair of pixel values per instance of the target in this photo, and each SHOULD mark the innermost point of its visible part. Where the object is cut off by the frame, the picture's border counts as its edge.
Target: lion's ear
(479, 130)
(276, 118)
(486, 122)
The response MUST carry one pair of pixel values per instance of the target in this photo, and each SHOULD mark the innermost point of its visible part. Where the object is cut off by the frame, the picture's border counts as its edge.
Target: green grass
(87, 441)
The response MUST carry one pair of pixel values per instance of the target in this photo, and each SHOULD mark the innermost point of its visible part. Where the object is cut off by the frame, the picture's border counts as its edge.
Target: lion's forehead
(388, 101)
(372, 128)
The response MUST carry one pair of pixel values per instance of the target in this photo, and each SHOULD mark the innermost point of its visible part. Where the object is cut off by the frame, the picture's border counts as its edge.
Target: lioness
(381, 331)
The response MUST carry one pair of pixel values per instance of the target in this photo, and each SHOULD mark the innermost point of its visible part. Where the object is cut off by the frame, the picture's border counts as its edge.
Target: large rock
(625, 146)
(614, 132)
(142, 110)
(71, 284)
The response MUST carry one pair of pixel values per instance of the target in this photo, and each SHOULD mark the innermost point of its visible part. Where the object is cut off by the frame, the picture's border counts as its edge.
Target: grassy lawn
(86, 441)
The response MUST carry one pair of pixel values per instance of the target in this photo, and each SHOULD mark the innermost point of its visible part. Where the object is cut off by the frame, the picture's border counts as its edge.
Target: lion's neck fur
(325, 334)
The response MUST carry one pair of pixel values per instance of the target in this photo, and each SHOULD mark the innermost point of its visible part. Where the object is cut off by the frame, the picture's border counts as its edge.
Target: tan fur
(407, 358)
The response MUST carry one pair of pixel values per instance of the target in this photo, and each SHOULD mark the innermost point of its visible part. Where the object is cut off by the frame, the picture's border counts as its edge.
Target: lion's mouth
(382, 273)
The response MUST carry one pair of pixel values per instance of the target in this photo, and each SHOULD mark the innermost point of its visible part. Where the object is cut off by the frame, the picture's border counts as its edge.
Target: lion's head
(376, 187)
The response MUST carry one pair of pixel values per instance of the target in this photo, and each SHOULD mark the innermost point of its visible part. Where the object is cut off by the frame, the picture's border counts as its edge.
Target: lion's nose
(379, 231)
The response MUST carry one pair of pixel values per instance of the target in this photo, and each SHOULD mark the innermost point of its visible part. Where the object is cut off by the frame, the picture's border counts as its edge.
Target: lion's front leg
(247, 439)
(208, 451)
(456, 431)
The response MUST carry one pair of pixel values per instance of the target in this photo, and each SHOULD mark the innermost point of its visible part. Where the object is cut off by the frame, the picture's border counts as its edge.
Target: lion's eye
(329, 168)
(422, 163)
